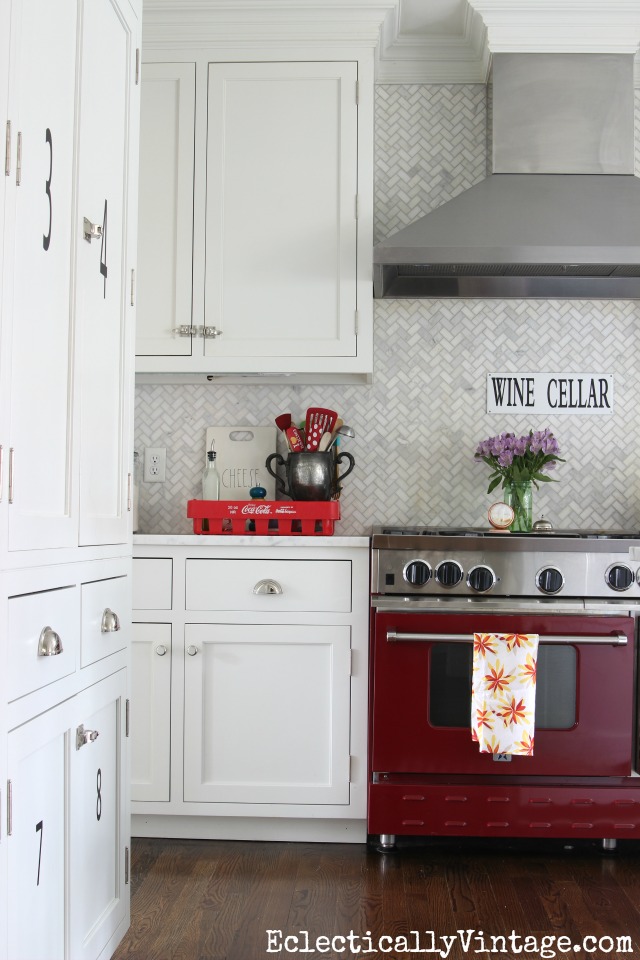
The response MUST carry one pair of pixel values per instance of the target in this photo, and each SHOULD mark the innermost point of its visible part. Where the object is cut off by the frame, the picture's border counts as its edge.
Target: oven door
(421, 694)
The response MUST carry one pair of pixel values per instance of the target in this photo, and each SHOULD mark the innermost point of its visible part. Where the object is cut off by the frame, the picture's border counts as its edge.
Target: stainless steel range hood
(559, 217)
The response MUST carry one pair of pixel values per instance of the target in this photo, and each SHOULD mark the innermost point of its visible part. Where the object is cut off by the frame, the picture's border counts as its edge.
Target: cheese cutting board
(241, 453)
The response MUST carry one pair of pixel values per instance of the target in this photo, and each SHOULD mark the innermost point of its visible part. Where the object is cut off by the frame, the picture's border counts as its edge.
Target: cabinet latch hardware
(49, 643)
(85, 736)
(210, 333)
(91, 231)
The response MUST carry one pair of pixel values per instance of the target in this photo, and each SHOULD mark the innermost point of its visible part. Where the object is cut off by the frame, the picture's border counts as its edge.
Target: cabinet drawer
(269, 585)
(36, 658)
(152, 583)
(106, 612)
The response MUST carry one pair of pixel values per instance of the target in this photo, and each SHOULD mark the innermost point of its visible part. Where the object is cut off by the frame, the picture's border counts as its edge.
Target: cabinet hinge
(129, 499)
(356, 322)
(9, 808)
(7, 150)
(357, 93)
(137, 65)
(350, 769)
(126, 864)
(19, 159)
(126, 717)
(1, 471)
(11, 453)
(357, 207)
(133, 288)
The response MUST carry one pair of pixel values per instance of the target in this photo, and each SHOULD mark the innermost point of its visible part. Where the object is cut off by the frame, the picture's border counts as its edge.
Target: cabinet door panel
(267, 713)
(98, 897)
(103, 299)
(36, 899)
(165, 208)
(281, 209)
(151, 711)
(42, 350)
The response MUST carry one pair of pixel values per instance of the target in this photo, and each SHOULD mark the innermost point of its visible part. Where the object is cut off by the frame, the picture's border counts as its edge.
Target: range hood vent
(559, 217)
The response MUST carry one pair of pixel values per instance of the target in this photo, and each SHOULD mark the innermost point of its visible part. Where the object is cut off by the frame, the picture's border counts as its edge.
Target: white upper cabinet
(165, 208)
(37, 282)
(281, 232)
(265, 267)
(107, 153)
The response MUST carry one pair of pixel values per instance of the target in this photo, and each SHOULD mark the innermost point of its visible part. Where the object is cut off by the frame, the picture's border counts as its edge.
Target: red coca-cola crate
(273, 518)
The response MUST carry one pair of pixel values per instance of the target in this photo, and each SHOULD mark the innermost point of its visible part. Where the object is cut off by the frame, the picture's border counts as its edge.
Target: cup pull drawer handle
(110, 622)
(49, 643)
(263, 587)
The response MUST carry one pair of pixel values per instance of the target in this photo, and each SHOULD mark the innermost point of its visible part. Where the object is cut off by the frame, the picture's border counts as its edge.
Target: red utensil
(294, 439)
(319, 420)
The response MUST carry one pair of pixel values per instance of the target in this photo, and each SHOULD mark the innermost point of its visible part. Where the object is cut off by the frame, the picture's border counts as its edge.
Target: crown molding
(553, 26)
(403, 58)
(251, 23)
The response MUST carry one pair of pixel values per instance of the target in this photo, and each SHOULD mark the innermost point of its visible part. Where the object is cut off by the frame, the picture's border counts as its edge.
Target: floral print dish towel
(503, 692)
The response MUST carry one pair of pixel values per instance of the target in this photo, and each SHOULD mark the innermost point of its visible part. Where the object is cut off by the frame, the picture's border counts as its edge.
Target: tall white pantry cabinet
(69, 93)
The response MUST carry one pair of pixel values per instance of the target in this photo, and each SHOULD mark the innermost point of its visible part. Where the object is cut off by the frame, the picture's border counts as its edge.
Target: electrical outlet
(155, 464)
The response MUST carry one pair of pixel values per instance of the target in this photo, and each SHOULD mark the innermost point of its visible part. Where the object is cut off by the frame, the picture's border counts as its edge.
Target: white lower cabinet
(150, 713)
(249, 690)
(67, 829)
(267, 713)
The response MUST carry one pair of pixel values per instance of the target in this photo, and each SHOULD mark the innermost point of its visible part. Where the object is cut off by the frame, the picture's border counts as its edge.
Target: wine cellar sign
(549, 393)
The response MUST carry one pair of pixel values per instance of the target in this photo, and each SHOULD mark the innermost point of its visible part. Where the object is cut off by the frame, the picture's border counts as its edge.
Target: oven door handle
(615, 640)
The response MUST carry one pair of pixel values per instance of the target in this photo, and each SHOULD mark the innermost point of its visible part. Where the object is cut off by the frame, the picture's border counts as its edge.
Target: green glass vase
(519, 496)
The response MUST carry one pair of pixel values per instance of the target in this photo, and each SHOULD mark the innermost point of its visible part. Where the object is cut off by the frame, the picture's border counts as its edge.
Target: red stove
(431, 591)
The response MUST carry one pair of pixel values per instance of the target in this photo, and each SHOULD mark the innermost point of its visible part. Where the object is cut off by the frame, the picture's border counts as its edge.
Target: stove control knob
(449, 573)
(550, 580)
(481, 579)
(619, 576)
(417, 573)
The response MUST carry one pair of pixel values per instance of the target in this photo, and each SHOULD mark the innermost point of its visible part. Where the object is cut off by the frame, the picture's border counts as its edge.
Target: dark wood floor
(215, 900)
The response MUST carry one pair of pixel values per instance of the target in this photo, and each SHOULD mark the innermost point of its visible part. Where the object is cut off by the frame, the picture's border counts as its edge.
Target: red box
(272, 518)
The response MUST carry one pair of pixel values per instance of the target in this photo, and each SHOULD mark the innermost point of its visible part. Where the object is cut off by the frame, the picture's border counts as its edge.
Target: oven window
(450, 686)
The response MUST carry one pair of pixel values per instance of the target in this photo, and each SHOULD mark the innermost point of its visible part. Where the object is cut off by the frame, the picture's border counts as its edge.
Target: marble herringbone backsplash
(419, 422)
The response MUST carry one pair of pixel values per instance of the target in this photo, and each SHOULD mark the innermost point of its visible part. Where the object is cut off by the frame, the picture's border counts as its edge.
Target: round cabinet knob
(481, 579)
(619, 576)
(417, 573)
(49, 643)
(161, 649)
(192, 650)
(550, 580)
(110, 622)
(449, 573)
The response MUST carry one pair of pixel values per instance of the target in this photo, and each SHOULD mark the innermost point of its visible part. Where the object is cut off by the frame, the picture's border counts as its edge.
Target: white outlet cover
(155, 464)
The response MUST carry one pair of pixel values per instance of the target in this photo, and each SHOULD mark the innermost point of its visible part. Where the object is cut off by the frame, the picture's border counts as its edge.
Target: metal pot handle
(280, 462)
(349, 457)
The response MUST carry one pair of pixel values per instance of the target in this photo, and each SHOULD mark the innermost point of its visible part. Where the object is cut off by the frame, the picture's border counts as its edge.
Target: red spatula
(319, 420)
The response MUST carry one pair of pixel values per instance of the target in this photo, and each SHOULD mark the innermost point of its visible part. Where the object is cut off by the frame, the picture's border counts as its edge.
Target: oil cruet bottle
(211, 478)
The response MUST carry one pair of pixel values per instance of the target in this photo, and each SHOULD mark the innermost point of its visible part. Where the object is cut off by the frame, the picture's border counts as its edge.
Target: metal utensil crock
(310, 476)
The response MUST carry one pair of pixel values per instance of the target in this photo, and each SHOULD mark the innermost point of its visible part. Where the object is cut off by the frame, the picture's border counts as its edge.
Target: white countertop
(227, 540)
